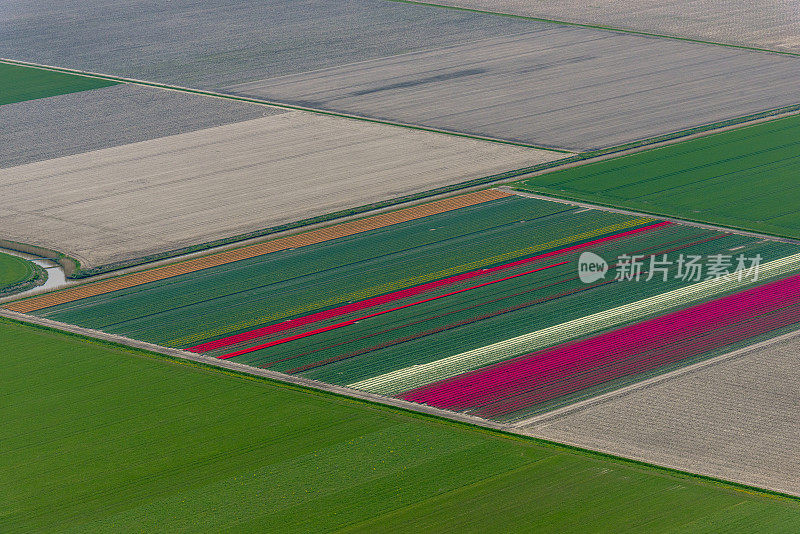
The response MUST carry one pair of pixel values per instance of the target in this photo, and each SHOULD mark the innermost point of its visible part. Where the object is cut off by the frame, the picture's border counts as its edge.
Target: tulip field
(478, 309)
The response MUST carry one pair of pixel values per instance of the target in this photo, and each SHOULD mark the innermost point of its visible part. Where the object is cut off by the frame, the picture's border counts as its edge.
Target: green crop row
(489, 314)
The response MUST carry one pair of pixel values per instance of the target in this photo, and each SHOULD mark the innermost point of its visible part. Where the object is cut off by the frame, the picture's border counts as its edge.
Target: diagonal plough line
(570, 157)
(418, 375)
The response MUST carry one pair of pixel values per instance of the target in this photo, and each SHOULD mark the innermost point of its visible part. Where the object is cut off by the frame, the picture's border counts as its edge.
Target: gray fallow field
(563, 86)
(126, 202)
(214, 43)
(770, 24)
(738, 419)
(63, 125)
(505, 77)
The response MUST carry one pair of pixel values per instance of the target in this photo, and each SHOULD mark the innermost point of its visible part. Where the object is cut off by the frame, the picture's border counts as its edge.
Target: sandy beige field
(131, 201)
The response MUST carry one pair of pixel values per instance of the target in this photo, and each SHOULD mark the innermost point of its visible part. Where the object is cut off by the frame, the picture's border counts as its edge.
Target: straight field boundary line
(571, 156)
(311, 237)
(12, 301)
(493, 427)
(237, 242)
(650, 382)
(271, 103)
(597, 27)
(653, 215)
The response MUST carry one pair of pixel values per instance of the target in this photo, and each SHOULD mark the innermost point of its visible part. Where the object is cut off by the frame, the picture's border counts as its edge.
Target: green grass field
(19, 83)
(744, 178)
(102, 438)
(14, 270)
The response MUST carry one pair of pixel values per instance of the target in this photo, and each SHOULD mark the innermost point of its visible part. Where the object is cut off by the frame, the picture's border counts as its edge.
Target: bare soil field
(771, 24)
(73, 123)
(144, 198)
(736, 420)
(560, 86)
(215, 43)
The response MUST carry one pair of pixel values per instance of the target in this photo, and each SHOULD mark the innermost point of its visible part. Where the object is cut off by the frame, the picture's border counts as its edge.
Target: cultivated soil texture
(557, 86)
(770, 24)
(221, 42)
(130, 201)
(84, 121)
(221, 258)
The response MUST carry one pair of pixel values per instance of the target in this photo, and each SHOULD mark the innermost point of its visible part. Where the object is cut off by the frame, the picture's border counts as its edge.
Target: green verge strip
(595, 27)
(130, 440)
(19, 83)
(418, 375)
(17, 274)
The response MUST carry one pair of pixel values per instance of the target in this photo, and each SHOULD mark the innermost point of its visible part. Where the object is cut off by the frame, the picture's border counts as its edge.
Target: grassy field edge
(31, 275)
(37, 278)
